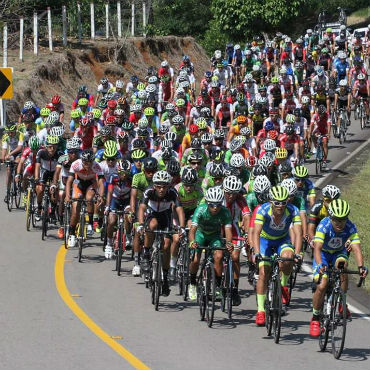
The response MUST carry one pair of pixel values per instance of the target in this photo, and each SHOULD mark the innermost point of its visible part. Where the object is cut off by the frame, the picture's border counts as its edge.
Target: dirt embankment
(63, 70)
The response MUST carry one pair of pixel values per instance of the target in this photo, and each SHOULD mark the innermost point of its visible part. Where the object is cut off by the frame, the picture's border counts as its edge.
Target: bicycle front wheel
(158, 281)
(277, 309)
(45, 219)
(17, 193)
(180, 271)
(201, 294)
(268, 309)
(324, 326)
(28, 210)
(66, 218)
(120, 249)
(81, 237)
(9, 199)
(210, 294)
(338, 322)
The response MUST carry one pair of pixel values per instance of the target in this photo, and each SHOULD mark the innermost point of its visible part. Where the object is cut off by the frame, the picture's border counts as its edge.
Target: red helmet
(193, 129)
(111, 120)
(112, 104)
(56, 99)
(50, 106)
(84, 122)
(272, 134)
(251, 161)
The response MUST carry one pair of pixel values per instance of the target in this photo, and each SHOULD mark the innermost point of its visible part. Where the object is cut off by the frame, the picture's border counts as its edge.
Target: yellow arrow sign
(6, 83)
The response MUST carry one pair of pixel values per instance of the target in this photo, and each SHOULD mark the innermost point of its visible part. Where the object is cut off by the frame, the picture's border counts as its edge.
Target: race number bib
(335, 243)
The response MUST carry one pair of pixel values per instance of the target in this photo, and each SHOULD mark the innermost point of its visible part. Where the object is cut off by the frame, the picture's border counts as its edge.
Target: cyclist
(342, 100)
(87, 179)
(306, 188)
(330, 238)
(207, 222)
(271, 234)
(155, 212)
(361, 89)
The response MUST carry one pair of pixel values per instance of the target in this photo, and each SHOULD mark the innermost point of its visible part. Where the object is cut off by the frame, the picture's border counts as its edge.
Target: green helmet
(75, 113)
(141, 86)
(34, 143)
(278, 193)
(83, 101)
(127, 126)
(240, 97)
(110, 149)
(44, 112)
(180, 102)
(102, 104)
(52, 140)
(97, 113)
(149, 111)
(339, 208)
(274, 80)
(138, 154)
(300, 171)
(202, 124)
(11, 126)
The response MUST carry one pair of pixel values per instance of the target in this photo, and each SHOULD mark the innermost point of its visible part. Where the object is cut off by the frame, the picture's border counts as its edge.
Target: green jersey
(211, 224)
(299, 203)
(252, 201)
(191, 200)
(140, 182)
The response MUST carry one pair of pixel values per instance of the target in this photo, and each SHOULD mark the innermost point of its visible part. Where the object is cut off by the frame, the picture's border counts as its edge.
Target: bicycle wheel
(158, 280)
(180, 271)
(45, 218)
(224, 286)
(317, 166)
(362, 120)
(17, 193)
(277, 308)
(28, 210)
(201, 295)
(66, 218)
(186, 273)
(81, 236)
(338, 321)
(268, 309)
(33, 208)
(9, 199)
(324, 326)
(120, 249)
(210, 293)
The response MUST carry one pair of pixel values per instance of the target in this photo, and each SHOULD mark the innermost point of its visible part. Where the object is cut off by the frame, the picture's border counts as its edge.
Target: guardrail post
(5, 45)
(144, 18)
(107, 21)
(35, 34)
(79, 22)
(119, 24)
(92, 21)
(132, 19)
(64, 20)
(49, 30)
(21, 32)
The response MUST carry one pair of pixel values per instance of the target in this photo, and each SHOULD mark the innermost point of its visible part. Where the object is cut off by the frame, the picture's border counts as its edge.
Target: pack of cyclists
(220, 162)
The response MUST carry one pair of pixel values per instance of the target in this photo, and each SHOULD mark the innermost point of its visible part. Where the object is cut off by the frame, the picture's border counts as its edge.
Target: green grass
(363, 12)
(358, 196)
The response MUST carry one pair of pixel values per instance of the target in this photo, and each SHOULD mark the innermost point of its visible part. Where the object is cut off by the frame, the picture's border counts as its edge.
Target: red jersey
(321, 123)
(87, 136)
(288, 142)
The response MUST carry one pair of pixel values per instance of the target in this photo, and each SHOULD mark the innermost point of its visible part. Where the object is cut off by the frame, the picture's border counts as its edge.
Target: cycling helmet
(173, 167)
(202, 124)
(57, 131)
(241, 119)
(162, 178)
(49, 121)
(149, 111)
(217, 170)
(163, 129)
(171, 136)
(305, 99)
(102, 104)
(138, 154)
(149, 163)
(235, 145)
(118, 112)
(290, 118)
(320, 72)
(123, 166)
(142, 95)
(219, 134)
(170, 106)
(87, 155)
(143, 123)
(110, 149)
(245, 131)
(291, 186)
(214, 195)
(83, 102)
(275, 80)
(343, 83)
(96, 113)
(152, 80)
(361, 76)
(104, 81)
(285, 168)
(28, 105)
(278, 193)
(248, 77)
(44, 112)
(150, 89)
(126, 126)
(193, 129)
(259, 170)
(34, 143)
(141, 86)
(281, 153)
(142, 132)
(339, 208)
(54, 116)
(289, 130)
(195, 157)
(321, 109)
(111, 120)
(269, 126)
(331, 191)
(166, 154)
(178, 120)
(139, 144)
(189, 176)
(237, 160)
(165, 144)
(232, 184)
(196, 143)
(283, 71)
(266, 161)
(269, 145)
(119, 84)
(261, 184)
(73, 145)
(206, 138)
(251, 161)
(300, 171)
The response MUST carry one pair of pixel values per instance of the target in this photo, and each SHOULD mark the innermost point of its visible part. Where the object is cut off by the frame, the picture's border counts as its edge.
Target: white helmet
(343, 83)
(237, 47)
(361, 76)
(331, 191)
(143, 122)
(56, 131)
(269, 145)
(162, 177)
(261, 184)
(28, 105)
(150, 88)
(266, 161)
(256, 68)
(309, 30)
(164, 64)
(237, 160)
(248, 52)
(54, 116)
(183, 73)
(248, 77)
(342, 55)
(172, 136)
(214, 195)
(232, 184)
(166, 143)
(305, 99)
(290, 118)
(291, 186)
(342, 27)
(283, 70)
(288, 39)
(218, 54)
(73, 144)
(119, 84)
(152, 80)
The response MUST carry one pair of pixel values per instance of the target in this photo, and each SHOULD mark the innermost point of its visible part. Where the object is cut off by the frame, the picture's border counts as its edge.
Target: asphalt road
(40, 331)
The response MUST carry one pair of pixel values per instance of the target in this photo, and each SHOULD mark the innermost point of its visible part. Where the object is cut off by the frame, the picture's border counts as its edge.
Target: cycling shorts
(81, 187)
(164, 219)
(207, 240)
(29, 170)
(268, 247)
(119, 205)
(46, 176)
(342, 104)
(328, 259)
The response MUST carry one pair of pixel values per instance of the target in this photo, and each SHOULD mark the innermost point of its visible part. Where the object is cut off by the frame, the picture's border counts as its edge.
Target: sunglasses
(339, 220)
(299, 179)
(279, 203)
(111, 159)
(51, 146)
(149, 171)
(326, 199)
(214, 205)
(195, 163)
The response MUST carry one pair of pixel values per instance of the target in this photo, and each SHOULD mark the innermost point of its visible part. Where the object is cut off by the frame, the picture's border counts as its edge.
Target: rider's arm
(37, 171)
(181, 215)
(109, 195)
(317, 251)
(297, 228)
(101, 185)
(20, 166)
(68, 187)
(142, 209)
(133, 198)
(58, 169)
(256, 237)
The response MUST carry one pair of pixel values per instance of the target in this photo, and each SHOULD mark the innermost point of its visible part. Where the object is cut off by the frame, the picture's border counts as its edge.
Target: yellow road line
(76, 309)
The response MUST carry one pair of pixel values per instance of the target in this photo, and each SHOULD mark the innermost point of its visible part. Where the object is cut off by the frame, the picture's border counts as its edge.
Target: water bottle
(328, 306)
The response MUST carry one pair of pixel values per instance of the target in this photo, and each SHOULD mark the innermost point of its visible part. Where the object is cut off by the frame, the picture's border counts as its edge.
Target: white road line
(307, 268)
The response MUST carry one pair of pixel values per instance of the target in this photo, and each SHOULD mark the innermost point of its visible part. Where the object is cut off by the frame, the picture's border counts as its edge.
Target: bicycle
(319, 155)
(293, 277)
(120, 239)
(81, 228)
(30, 205)
(182, 267)
(14, 189)
(273, 304)
(66, 221)
(333, 118)
(360, 113)
(46, 210)
(342, 132)
(227, 285)
(334, 311)
(156, 265)
(206, 286)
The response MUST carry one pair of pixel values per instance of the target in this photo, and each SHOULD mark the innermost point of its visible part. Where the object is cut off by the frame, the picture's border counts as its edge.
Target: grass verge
(357, 193)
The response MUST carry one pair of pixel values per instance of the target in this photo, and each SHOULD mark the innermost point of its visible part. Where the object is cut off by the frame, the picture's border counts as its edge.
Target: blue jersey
(272, 231)
(307, 190)
(334, 242)
(341, 68)
(99, 155)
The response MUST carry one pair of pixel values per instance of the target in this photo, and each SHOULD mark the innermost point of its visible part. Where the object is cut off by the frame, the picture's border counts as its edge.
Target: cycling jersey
(87, 136)
(272, 231)
(288, 141)
(317, 213)
(157, 204)
(238, 209)
(12, 142)
(300, 203)
(78, 171)
(140, 182)
(307, 189)
(47, 162)
(322, 123)
(190, 200)
(65, 164)
(121, 189)
(211, 224)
